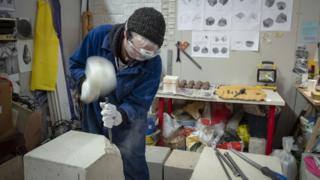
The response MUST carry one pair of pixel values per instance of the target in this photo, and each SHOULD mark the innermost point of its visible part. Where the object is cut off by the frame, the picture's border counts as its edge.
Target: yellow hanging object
(46, 44)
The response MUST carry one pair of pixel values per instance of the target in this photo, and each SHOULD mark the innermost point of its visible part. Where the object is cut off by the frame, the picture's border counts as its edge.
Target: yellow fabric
(45, 56)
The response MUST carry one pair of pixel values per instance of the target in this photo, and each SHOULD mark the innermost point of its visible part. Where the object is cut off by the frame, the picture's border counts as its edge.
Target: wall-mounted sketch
(210, 44)
(25, 52)
(281, 5)
(217, 20)
(212, 2)
(269, 3)
(220, 44)
(7, 5)
(8, 58)
(190, 14)
(218, 5)
(200, 43)
(210, 21)
(268, 22)
(246, 15)
(276, 15)
(217, 14)
(245, 40)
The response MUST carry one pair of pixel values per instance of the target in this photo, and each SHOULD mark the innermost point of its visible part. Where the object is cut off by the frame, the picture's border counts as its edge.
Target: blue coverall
(134, 93)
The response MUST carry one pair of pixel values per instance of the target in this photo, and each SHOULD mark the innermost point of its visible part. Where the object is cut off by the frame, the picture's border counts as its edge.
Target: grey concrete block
(156, 156)
(180, 165)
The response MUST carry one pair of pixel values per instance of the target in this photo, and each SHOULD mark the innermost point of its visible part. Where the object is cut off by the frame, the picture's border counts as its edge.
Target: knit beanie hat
(149, 23)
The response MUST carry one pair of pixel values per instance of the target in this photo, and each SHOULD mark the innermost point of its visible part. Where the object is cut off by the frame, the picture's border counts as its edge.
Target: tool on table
(265, 170)
(234, 171)
(178, 51)
(221, 163)
(267, 75)
(109, 129)
(182, 46)
(242, 91)
(243, 176)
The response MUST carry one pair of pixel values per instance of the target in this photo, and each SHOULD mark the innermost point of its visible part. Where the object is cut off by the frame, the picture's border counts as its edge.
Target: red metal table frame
(273, 99)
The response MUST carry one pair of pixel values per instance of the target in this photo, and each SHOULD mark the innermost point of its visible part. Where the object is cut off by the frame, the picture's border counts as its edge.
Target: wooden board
(232, 93)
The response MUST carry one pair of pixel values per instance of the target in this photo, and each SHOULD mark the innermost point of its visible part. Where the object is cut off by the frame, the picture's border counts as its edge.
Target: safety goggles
(137, 47)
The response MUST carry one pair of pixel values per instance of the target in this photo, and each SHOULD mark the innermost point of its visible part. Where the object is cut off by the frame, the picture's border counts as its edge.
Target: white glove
(110, 115)
(100, 79)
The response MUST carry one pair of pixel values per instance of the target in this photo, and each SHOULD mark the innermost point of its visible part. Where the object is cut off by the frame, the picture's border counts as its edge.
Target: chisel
(234, 171)
(224, 168)
(243, 176)
(265, 170)
(109, 129)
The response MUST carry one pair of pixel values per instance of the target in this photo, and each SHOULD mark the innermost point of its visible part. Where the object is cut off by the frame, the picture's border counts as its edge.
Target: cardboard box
(5, 106)
(12, 169)
(28, 123)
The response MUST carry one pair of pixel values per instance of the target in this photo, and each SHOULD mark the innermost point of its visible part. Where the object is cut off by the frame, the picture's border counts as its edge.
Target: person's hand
(110, 115)
(100, 79)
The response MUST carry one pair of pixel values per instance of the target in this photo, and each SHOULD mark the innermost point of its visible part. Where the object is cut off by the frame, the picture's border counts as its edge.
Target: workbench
(272, 100)
(208, 166)
(315, 131)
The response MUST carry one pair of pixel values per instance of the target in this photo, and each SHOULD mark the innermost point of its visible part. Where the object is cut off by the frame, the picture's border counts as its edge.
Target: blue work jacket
(136, 87)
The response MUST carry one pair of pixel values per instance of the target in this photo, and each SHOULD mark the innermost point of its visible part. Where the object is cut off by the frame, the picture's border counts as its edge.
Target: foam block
(156, 157)
(73, 156)
(180, 165)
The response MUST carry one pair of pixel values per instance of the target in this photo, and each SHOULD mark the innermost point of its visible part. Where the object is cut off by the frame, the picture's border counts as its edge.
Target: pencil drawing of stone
(204, 50)
(212, 2)
(224, 50)
(269, 3)
(196, 48)
(268, 22)
(281, 5)
(210, 21)
(215, 50)
(281, 18)
(222, 22)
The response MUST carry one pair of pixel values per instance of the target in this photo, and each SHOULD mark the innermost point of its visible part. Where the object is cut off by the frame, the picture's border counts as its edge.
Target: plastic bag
(288, 162)
(170, 125)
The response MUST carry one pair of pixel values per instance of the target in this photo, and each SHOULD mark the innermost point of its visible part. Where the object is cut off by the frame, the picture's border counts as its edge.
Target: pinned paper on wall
(200, 43)
(310, 32)
(210, 44)
(246, 15)
(245, 40)
(25, 52)
(220, 44)
(217, 15)
(189, 15)
(7, 5)
(276, 15)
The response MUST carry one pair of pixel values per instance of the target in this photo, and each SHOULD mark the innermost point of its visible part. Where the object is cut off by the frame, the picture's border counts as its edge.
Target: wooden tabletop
(307, 94)
(273, 98)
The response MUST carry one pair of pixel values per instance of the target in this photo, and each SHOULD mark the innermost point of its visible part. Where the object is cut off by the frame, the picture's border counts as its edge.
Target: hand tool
(242, 91)
(243, 176)
(109, 129)
(86, 18)
(234, 171)
(178, 51)
(264, 170)
(224, 168)
(182, 47)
